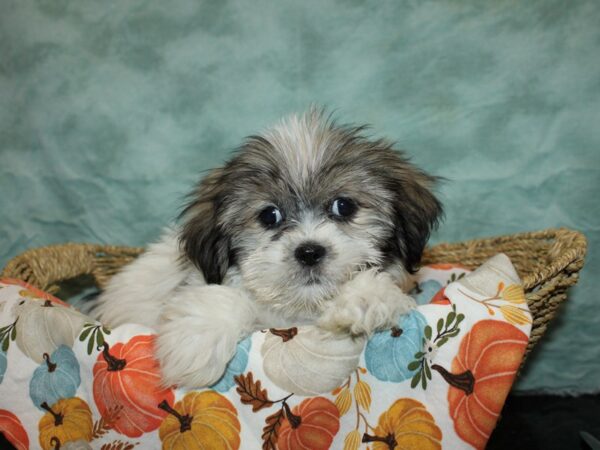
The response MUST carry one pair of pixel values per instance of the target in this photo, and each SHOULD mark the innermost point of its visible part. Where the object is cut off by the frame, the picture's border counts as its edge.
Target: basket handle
(46, 267)
(567, 253)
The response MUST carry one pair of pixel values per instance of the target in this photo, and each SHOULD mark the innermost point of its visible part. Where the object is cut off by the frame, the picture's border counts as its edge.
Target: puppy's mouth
(312, 277)
(312, 280)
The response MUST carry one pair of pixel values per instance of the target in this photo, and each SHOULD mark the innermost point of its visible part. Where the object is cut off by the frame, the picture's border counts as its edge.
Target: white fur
(302, 140)
(139, 292)
(199, 331)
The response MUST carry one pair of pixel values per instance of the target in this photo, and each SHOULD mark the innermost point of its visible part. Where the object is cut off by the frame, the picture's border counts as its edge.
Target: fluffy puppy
(309, 223)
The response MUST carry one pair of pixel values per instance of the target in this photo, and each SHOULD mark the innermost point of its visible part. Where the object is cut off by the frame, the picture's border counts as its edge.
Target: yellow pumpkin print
(69, 419)
(408, 425)
(201, 420)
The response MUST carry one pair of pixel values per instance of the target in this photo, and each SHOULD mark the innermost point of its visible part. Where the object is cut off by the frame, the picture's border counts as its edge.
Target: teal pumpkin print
(57, 377)
(235, 367)
(3, 364)
(425, 291)
(389, 352)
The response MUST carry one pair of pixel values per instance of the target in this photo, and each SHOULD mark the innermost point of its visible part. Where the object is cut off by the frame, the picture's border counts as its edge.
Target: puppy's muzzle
(310, 253)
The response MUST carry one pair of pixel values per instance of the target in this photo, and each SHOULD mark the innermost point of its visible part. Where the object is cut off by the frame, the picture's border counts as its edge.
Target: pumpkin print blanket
(436, 380)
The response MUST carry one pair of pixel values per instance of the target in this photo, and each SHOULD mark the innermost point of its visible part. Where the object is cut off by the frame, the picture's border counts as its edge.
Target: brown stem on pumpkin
(281, 400)
(58, 418)
(390, 440)
(396, 332)
(285, 334)
(185, 422)
(114, 364)
(50, 364)
(56, 442)
(292, 418)
(47, 304)
(464, 381)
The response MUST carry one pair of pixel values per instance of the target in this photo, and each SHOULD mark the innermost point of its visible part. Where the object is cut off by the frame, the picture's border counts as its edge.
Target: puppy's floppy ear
(417, 212)
(202, 239)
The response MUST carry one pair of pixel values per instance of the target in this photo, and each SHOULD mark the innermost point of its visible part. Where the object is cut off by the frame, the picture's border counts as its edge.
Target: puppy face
(304, 206)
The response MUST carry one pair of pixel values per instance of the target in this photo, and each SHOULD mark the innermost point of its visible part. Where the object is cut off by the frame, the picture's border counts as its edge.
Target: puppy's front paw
(193, 358)
(199, 331)
(369, 302)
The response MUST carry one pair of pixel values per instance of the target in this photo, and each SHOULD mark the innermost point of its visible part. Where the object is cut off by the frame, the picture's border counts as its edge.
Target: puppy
(309, 223)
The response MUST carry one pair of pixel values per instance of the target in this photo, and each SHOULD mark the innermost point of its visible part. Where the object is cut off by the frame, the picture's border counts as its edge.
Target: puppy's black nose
(309, 254)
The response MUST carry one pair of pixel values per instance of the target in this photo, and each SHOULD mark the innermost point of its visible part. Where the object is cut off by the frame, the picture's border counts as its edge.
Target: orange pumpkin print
(128, 376)
(406, 425)
(200, 420)
(13, 430)
(67, 420)
(482, 373)
(311, 425)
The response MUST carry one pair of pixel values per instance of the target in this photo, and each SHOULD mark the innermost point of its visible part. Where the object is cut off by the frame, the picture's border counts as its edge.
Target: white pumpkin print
(43, 326)
(309, 361)
(484, 280)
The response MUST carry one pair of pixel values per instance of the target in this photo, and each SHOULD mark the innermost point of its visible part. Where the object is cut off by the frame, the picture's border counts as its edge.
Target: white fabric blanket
(437, 380)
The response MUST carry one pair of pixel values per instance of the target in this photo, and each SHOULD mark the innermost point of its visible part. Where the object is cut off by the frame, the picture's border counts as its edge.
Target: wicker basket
(548, 262)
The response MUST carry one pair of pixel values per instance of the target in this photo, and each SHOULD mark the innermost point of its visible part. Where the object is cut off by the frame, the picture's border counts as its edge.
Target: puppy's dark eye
(343, 207)
(270, 217)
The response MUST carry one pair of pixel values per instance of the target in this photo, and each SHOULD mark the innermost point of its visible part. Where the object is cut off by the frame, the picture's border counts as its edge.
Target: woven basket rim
(574, 241)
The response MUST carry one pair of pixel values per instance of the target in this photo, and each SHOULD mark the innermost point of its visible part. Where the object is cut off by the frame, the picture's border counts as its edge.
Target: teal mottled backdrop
(111, 110)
